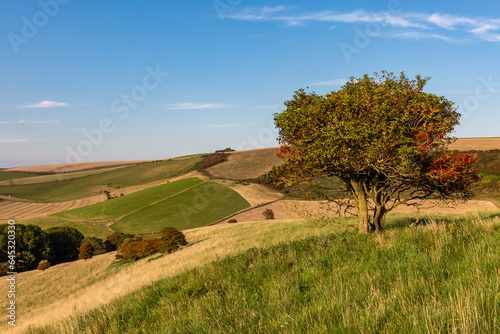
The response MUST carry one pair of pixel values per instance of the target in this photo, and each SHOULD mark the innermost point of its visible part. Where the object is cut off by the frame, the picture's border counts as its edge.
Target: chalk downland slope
(243, 165)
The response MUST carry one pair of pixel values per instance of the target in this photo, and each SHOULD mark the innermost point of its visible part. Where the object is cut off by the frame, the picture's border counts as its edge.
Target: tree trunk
(379, 218)
(362, 206)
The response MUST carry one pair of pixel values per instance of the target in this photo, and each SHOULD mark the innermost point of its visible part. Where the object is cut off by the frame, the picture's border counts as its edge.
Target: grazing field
(109, 181)
(441, 276)
(121, 206)
(242, 165)
(199, 206)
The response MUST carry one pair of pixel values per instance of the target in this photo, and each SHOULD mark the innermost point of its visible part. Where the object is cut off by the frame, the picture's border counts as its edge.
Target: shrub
(44, 264)
(86, 251)
(128, 249)
(171, 233)
(210, 160)
(147, 247)
(232, 221)
(114, 240)
(98, 245)
(268, 213)
(167, 245)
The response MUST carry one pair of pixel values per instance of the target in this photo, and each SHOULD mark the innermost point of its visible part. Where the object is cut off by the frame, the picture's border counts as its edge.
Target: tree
(31, 245)
(86, 251)
(382, 137)
(97, 244)
(64, 244)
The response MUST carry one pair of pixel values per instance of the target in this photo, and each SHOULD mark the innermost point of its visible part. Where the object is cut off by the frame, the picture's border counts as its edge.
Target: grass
(200, 206)
(63, 289)
(15, 175)
(92, 185)
(440, 277)
(87, 228)
(124, 205)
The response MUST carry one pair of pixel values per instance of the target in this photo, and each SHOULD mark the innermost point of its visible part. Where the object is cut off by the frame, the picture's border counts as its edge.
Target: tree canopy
(383, 137)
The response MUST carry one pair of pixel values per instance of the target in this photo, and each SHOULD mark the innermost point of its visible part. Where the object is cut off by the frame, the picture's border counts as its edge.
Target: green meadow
(196, 207)
(121, 206)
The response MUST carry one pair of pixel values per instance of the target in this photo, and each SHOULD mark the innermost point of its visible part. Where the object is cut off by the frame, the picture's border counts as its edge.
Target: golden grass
(71, 288)
(478, 144)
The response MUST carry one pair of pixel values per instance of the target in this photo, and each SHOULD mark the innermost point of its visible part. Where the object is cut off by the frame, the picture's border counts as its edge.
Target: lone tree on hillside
(383, 137)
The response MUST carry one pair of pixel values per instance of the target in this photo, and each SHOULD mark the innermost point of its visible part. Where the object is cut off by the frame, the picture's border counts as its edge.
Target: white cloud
(334, 82)
(194, 106)
(46, 104)
(486, 29)
(28, 121)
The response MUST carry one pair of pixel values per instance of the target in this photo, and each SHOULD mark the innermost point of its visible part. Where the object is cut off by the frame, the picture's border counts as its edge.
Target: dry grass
(70, 288)
(294, 209)
(244, 165)
(477, 144)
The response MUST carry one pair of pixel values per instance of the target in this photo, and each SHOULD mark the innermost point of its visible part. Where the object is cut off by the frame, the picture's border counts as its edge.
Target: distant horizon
(187, 154)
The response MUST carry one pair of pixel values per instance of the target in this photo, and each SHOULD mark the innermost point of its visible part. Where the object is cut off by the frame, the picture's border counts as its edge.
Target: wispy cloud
(28, 121)
(334, 82)
(194, 106)
(13, 140)
(46, 104)
(487, 29)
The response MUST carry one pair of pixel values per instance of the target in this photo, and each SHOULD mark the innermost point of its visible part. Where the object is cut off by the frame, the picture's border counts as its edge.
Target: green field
(92, 185)
(124, 205)
(200, 206)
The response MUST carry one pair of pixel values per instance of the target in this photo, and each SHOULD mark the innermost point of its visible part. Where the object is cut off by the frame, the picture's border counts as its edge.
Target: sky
(101, 80)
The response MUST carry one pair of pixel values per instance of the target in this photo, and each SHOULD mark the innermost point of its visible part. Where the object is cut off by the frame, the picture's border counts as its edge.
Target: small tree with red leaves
(383, 137)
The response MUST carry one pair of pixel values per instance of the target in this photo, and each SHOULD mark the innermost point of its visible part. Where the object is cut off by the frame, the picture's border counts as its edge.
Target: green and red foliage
(213, 159)
(384, 138)
(147, 247)
(86, 251)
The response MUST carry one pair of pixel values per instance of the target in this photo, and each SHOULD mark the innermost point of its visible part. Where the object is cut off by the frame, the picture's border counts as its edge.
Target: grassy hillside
(441, 277)
(92, 185)
(200, 206)
(124, 205)
(56, 177)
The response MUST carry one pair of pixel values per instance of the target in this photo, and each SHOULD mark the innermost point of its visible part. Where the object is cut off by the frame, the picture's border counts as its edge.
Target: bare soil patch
(72, 167)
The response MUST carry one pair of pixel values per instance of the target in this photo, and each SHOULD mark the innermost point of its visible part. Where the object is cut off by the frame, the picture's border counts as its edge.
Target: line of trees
(36, 248)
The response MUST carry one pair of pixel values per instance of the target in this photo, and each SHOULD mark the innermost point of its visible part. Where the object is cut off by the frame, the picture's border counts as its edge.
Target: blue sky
(120, 80)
